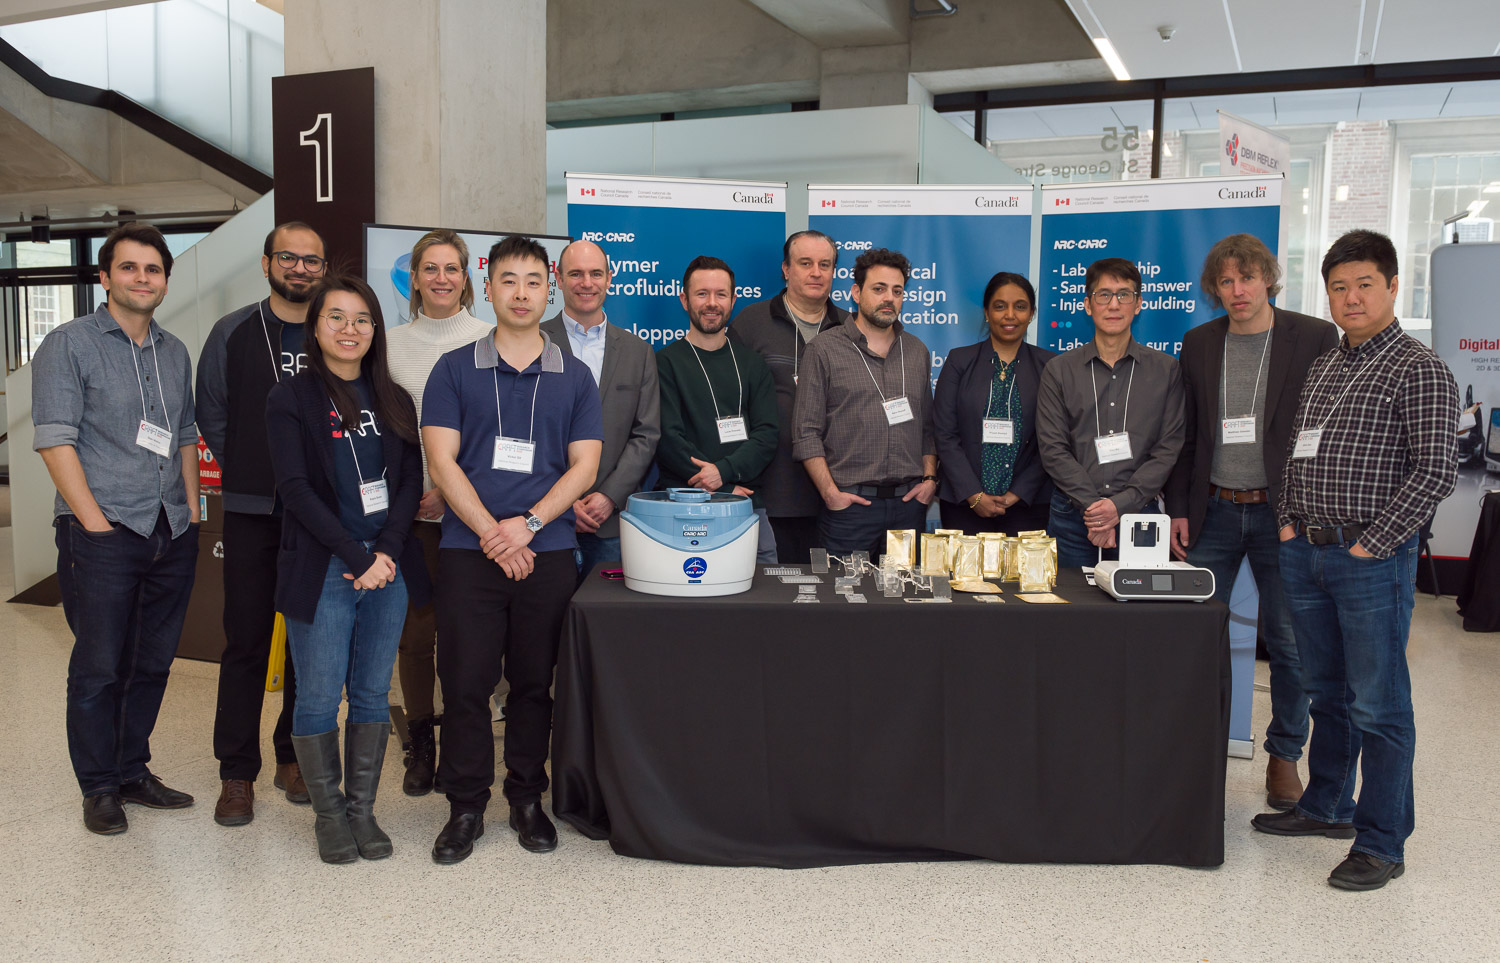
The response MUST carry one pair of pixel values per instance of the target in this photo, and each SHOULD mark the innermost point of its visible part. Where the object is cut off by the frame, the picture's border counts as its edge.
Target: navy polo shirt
(460, 395)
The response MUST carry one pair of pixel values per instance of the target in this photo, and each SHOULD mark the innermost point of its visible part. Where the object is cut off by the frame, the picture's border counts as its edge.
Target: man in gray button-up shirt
(112, 402)
(1109, 420)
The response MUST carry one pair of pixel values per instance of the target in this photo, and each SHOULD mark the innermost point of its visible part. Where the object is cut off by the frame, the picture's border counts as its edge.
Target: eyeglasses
(338, 321)
(1102, 298)
(311, 262)
(431, 271)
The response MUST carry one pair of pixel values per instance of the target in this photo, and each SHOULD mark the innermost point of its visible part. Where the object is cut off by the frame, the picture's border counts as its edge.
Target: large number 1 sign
(322, 154)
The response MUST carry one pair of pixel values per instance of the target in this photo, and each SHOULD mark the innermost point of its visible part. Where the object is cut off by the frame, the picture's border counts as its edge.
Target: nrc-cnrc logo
(1232, 149)
(766, 198)
(695, 567)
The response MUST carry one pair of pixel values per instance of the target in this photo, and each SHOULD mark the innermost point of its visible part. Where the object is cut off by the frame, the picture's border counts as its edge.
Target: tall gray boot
(364, 754)
(318, 756)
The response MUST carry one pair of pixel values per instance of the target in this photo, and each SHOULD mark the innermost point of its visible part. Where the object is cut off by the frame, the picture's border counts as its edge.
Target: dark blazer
(632, 414)
(958, 405)
(1296, 340)
(302, 461)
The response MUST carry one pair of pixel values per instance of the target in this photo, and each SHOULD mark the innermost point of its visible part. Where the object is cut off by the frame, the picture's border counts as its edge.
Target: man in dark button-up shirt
(1374, 452)
(864, 415)
(112, 402)
(1109, 420)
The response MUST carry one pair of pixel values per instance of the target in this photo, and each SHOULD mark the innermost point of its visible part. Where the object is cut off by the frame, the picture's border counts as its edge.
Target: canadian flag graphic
(586, 192)
(830, 203)
(1062, 201)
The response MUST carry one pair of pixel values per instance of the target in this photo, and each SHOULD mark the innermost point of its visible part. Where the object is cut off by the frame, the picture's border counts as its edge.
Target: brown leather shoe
(236, 805)
(289, 780)
(1283, 785)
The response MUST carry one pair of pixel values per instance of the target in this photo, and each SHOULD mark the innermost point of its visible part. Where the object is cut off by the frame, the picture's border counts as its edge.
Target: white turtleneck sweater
(413, 349)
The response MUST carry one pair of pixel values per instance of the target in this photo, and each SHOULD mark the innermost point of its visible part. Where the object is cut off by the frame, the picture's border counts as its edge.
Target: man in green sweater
(718, 402)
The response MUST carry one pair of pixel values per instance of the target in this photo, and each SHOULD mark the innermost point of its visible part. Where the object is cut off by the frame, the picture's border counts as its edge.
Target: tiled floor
(178, 887)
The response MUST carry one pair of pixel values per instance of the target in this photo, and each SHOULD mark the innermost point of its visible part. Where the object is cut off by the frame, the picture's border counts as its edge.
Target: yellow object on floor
(276, 667)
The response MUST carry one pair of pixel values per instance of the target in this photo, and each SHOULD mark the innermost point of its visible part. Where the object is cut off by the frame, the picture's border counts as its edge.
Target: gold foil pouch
(935, 555)
(1032, 562)
(901, 545)
(967, 560)
(1010, 559)
(992, 554)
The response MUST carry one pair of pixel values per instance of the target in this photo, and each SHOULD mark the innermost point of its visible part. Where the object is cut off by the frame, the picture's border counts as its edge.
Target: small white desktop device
(1146, 570)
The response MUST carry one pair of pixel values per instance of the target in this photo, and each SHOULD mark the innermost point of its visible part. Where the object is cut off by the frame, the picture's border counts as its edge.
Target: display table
(1479, 599)
(753, 731)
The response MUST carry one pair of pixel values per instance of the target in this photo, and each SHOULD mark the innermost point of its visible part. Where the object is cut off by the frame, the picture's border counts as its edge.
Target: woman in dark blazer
(984, 411)
(348, 468)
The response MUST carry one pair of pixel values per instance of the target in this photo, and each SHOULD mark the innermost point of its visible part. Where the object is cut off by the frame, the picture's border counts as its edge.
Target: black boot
(421, 759)
(364, 754)
(318, 757)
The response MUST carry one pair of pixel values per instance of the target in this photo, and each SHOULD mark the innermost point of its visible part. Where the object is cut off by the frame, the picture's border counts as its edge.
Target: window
(1073, 143)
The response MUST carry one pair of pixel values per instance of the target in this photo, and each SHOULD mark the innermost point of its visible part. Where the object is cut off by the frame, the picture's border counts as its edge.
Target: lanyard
(159, 390)
(901, 341)
(995, 361)
(349, 437)
(1313, 396)
(530, 432)
(1130, 384)
(1224, 373)
(275, 355)
(739, 398)
(797, 334)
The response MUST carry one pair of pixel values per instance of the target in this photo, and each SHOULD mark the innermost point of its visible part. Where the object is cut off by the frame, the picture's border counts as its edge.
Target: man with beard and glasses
(864, 428)
(248, 352)
(718, 402)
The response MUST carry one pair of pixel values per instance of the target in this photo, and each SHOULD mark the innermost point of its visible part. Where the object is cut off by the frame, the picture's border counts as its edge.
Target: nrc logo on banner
(1062, 202)
(585, 192)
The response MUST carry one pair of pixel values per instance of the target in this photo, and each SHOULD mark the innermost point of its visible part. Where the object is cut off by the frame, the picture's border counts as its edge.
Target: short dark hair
(1009, 277)
(141, 233)
(880, 257)
(1115, 267)
(705, 262)
(1247, 251)
(786, 249)
(516, 245)
(1361, 245)
(290, 226)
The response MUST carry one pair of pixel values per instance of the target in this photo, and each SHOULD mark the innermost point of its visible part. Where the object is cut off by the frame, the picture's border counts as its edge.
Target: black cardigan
(958, 410)
(302, 461)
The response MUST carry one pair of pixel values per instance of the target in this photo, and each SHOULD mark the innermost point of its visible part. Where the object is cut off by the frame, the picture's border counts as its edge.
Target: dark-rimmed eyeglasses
(310, 262)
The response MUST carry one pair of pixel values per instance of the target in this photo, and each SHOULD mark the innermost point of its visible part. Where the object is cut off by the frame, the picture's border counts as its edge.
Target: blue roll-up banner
(651, 227)
(955, 237)
(1166, 227)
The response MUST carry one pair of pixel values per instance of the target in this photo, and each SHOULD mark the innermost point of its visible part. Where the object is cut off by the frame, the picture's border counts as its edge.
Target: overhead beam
(843, 23)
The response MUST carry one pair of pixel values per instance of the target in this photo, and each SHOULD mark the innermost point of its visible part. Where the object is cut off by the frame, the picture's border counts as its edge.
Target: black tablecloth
(752, 731)
(1479, 600)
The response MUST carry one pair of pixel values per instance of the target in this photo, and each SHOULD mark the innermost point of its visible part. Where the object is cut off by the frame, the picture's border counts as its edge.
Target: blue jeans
(125, 598)
(1074, 550)
(350, 644)
(1353, 616)
(1230, 533)
(593, 550)
(765, 548)
(863, 527)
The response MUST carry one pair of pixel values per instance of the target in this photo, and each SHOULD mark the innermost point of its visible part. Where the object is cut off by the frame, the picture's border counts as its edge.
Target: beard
(875, 318)
(290, 293)
(710, 325)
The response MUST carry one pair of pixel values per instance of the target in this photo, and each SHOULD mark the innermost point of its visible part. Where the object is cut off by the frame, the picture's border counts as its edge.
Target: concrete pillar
(875, 76)
(460, 102)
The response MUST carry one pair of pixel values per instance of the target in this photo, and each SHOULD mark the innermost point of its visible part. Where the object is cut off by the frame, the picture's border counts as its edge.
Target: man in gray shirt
(1242, 376)
(1109, 420)
(112, 402)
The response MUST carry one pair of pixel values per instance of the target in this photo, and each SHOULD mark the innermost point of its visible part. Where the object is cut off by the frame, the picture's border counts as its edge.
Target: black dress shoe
(104, 815)
(150, 791)
(1361, 871)
(537, 834)
(456, 841)
(1295, 824)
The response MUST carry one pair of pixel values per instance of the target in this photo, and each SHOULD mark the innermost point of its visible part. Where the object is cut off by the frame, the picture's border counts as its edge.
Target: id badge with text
(999, 431)
(513, 454)
(1239, 431)
(374, 496)
(1307, 443)
(897, 411)
(732, 429)
(1112, 448)
(154, 438)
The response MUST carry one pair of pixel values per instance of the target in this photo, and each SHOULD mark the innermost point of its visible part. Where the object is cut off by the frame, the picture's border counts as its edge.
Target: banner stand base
(1242, 749)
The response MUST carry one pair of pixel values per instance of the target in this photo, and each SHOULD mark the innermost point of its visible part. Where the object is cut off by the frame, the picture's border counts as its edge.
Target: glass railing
(205, 65)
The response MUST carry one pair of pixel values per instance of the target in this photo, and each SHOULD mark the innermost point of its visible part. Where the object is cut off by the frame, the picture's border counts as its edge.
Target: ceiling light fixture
(1107, 51)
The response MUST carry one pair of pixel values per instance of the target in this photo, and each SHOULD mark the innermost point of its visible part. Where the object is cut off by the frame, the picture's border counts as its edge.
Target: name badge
(1112, 448)
(1239, 431)
(999, 431)
(154, 438)
(1307, 443)
(374, 496)
(732, 429)
(513, 454)
(897, 411)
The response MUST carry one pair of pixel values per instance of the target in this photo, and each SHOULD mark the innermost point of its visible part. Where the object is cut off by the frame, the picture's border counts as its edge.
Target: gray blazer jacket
(632, 414)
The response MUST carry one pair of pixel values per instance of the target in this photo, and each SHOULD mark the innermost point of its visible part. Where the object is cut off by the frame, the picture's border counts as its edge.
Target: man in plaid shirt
(1375, 450)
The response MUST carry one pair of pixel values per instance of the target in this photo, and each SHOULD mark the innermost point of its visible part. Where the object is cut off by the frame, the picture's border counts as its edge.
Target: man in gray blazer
(624, 368)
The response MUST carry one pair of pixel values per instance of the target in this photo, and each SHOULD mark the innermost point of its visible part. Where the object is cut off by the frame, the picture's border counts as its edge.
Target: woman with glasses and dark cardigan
(343, 438)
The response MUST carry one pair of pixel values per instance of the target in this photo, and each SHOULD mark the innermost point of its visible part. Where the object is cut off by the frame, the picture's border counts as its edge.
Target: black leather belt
(880, 491)
(1240, 496)
(1330, 534)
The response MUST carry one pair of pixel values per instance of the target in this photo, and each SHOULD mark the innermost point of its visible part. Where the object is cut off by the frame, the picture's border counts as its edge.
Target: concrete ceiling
(843, 23)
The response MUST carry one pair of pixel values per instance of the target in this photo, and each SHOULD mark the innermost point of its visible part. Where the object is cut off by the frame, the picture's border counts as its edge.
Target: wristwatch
(929, 478)
(533, 524)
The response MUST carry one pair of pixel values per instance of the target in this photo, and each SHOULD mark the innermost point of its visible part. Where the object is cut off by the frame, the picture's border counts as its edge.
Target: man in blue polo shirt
(513, 432)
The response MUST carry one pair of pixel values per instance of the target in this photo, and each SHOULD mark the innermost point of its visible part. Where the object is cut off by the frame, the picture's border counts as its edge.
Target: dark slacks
(863, 527)
(1020, 517)
(125, 598)
(796, 537)
(489, 625)
(250, 543)
(414, 659)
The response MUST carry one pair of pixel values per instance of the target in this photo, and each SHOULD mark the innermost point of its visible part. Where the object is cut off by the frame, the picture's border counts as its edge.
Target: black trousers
(1018, 518)
(250, 543)
(488, 624)
(796, 537)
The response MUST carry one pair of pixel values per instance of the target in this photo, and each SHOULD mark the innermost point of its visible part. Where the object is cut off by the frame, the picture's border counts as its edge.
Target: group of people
(411, 495)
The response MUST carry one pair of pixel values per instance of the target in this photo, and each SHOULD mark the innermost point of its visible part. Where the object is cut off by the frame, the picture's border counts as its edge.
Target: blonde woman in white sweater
(442, 302)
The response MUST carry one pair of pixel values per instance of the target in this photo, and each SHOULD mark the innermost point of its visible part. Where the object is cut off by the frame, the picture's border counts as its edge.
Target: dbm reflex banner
(651, 227)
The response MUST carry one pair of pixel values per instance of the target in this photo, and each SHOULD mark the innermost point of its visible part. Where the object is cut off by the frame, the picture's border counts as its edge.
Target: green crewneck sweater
(689, 425)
